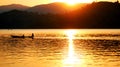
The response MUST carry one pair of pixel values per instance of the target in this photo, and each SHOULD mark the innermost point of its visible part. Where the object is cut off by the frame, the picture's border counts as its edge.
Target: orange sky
(34, 2)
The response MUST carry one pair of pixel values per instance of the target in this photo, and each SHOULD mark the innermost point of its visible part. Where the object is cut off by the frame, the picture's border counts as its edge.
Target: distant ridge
(56, 7)
(6, 8)
(49, 8)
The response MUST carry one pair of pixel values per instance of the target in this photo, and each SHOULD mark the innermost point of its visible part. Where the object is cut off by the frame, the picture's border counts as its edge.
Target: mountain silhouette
(57, 7)
(95, 15)
(6, 8)
(100, 15)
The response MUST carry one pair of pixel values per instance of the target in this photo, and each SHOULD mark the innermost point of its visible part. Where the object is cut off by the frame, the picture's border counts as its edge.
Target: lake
(60, 48)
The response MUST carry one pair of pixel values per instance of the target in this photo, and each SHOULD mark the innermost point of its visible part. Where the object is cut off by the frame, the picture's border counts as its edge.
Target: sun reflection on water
(71, 58)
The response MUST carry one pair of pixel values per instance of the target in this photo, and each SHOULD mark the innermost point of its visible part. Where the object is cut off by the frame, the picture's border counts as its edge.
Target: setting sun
(73, 2)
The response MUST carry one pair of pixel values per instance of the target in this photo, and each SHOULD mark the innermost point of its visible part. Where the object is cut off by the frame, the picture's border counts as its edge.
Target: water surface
(60, 48)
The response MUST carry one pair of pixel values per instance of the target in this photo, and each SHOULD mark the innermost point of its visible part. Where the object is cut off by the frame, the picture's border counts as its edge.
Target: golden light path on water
(71, 60)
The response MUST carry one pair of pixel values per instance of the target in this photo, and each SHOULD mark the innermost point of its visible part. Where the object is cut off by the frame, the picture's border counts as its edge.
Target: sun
(73, 2)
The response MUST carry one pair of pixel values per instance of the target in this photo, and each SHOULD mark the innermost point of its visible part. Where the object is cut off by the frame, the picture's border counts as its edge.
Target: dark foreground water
(60, 48)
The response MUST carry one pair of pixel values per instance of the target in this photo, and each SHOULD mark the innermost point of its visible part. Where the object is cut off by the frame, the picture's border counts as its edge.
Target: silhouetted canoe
(13, 36)
(32, 36)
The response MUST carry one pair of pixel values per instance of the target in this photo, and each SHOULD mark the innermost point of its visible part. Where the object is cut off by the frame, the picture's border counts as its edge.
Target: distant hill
(99, 15)
(6, 8)
(57, 7)
(95, 15)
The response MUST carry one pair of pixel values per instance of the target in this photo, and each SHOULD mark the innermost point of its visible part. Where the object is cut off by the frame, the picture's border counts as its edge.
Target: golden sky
(36, 2)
